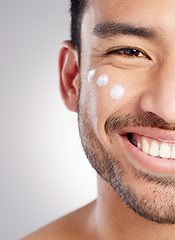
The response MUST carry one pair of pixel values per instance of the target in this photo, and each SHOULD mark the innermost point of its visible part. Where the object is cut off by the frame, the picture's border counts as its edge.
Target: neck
(116, 221)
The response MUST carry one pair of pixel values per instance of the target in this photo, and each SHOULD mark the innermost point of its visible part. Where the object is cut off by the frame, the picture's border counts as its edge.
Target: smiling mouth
(153, 147)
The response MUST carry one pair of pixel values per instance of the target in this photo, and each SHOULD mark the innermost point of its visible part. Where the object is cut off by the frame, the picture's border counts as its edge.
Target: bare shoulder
(75, 225)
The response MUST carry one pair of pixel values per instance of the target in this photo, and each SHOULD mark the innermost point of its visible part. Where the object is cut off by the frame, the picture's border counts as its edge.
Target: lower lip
(147, 162)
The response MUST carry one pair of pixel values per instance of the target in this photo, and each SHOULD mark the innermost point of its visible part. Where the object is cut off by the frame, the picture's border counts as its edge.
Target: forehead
(128, 6)
(143, 12)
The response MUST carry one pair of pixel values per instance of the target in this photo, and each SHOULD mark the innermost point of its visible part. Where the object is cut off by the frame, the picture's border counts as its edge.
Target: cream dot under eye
(90, 75)
(117, 92)
(102, 80)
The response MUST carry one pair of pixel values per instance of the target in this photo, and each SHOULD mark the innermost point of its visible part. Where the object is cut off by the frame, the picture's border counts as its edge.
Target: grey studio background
(44, 173)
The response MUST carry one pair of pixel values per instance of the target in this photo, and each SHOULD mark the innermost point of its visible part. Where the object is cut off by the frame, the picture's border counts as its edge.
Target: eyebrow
(112, 29)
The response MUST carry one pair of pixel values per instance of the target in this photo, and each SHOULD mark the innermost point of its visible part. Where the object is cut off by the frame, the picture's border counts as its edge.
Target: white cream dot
(102, 80)
(90, 75)
(117, 92)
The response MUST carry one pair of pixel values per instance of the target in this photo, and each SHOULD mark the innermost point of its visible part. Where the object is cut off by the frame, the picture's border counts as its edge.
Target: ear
(69, 75)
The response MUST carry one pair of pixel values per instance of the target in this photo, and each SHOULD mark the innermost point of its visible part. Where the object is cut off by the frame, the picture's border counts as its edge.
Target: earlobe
(69, 75)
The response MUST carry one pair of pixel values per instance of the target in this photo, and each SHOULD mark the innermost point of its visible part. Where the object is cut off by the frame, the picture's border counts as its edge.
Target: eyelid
(115, 51)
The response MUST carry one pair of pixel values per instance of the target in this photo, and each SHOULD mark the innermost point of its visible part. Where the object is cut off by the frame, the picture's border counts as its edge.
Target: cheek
(106, 92)
(110, 92)
(102, 80)
(90, 75)
(117, 92)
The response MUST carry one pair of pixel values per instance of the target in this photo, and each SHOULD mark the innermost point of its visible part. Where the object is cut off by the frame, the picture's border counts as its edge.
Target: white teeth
(145, 146)
(157, 149)
(165, 151)
(139, 145)
(154, 149)
(173, 152)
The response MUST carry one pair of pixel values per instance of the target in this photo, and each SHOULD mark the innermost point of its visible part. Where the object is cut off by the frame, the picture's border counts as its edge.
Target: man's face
(132, 42)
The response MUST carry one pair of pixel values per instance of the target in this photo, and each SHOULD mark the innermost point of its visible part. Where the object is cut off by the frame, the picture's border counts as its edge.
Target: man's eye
(128, 52)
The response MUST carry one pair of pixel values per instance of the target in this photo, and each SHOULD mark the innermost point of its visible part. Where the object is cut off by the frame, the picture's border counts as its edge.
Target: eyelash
(123, 51)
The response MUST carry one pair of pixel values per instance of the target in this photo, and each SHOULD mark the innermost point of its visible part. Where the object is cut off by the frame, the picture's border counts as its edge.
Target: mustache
(146, 119)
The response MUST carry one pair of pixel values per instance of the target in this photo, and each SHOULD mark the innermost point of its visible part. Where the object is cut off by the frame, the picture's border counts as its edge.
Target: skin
(149, 89)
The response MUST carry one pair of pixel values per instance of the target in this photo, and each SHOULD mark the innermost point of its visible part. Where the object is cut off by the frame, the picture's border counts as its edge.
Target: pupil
(132, 52)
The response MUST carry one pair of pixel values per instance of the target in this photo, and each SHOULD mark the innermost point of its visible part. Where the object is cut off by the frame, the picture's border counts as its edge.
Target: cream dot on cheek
(90, 75)
(117, 92)
(102, 80)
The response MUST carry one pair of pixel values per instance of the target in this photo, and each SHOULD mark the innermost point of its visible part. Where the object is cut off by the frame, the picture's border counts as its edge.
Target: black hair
(77, 10)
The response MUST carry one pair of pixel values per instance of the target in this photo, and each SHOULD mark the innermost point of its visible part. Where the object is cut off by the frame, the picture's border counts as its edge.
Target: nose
(159, 97)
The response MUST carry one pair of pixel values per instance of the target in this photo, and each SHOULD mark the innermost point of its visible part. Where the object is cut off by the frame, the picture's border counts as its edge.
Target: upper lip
(156, 133)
